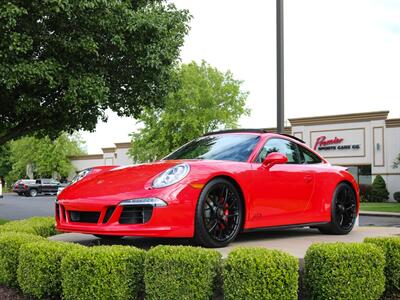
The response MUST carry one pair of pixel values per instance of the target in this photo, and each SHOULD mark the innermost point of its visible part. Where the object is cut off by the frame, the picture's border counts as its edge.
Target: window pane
(309, 157)
(282, 146)
(234, 147)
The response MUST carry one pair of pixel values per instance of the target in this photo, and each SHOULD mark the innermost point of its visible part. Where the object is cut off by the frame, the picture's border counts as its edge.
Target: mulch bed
(11, 294)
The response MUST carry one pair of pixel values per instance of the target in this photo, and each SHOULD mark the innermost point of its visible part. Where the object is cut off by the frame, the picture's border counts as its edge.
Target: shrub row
(49, 269)
(41, 226)
(344, 271)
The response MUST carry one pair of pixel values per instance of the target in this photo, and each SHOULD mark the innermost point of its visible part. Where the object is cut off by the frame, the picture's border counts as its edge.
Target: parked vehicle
(212, 189)
(18, 186)
(40, 186)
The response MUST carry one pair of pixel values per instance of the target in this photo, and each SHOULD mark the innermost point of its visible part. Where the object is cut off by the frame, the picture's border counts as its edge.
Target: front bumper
(112, 217)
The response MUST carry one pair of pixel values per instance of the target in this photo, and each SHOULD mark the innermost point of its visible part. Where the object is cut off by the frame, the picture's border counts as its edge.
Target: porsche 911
(211, 189)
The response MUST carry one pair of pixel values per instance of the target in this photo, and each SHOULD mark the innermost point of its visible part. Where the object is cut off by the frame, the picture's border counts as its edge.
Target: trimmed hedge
(391, 248)
(39, 270)
(345, 271)
(102, 272)
(42, 226)
(259, 273)
(181, 272)
(10, 244)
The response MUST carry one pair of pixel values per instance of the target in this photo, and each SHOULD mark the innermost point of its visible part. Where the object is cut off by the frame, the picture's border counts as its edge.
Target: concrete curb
(379, 214)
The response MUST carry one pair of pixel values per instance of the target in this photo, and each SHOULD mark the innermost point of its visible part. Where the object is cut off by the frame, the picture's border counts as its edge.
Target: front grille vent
(136, 214)
(108, 214)
(84, 216)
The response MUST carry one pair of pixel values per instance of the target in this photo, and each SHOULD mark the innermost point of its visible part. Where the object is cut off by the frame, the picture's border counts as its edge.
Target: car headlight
(171, 176)
(80, 175)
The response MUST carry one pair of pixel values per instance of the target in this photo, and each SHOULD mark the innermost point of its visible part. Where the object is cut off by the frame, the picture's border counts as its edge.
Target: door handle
(308, 178)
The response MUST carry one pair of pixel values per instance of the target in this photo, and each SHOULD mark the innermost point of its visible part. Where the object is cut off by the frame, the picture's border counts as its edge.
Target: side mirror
(274, 158)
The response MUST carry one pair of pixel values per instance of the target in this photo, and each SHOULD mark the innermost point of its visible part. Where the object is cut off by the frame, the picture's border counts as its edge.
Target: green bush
(258, 273)
(42, 226)
(181, 272)
(103, 272)
(396, 196)
(10, 244)
(379, 191)
(39, 270)
(345, 271)
(391, 248)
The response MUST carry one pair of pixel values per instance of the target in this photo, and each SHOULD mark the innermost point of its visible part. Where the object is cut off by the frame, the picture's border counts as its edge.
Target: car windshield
(234, 147)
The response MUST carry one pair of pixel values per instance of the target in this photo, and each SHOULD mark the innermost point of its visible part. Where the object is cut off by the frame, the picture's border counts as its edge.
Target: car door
(281, 193)
(53, 186)
(46, 185)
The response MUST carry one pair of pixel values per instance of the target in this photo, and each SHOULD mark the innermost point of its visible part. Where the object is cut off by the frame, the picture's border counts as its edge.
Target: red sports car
(212, 189)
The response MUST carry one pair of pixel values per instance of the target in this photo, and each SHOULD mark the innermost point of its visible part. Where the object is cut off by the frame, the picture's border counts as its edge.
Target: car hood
(117, 181)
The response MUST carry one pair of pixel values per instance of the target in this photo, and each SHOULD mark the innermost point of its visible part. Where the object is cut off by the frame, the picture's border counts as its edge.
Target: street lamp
(279, 68)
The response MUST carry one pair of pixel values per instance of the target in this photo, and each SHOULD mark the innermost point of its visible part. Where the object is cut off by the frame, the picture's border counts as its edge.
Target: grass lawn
(2, 221)
(383, 207)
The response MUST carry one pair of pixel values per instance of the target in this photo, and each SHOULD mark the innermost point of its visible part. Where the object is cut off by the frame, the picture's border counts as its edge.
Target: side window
(308, 157)
(283, 146)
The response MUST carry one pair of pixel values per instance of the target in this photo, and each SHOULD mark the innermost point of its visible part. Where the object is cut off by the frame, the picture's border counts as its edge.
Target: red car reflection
(213, 188)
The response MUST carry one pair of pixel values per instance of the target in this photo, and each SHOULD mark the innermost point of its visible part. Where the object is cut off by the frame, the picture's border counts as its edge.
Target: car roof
(253, 130)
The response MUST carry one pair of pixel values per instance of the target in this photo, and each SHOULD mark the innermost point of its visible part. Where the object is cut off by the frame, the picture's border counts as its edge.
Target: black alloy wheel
(219, 214)
(343, 211)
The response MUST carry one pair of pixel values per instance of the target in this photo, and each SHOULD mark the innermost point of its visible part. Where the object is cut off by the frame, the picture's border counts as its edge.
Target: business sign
(339, 143)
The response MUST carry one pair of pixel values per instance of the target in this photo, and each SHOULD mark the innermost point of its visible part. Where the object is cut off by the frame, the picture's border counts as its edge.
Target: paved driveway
(294, 241)
(14, 207)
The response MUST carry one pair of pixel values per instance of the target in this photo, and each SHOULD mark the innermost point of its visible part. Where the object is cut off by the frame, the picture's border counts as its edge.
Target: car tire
(343, 211)
(109, 237)
(219, 214)
(33, 192)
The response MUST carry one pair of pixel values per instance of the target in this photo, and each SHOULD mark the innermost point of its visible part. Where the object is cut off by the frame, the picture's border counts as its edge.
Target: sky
(341, 56)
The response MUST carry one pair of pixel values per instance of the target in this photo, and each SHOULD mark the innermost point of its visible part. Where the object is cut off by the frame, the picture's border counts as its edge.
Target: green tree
(206, 100)
(64, 62)
(379, 191)
(44, 155)
(5, 163)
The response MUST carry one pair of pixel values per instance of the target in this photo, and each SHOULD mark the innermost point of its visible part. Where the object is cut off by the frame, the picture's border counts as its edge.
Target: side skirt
(285, 227)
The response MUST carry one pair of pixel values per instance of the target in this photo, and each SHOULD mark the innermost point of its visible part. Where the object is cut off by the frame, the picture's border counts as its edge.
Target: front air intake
(136, 214)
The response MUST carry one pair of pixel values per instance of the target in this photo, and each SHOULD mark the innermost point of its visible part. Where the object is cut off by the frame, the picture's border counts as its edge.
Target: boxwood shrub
(391, 248)
(10, 244)
(345, 271)
(181, 272)
(259, 273)
(42, 226)
(39, 270)
(103, 272)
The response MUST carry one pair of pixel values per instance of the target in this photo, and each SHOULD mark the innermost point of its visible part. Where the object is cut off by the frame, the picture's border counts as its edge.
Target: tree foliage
(62, 63)
(379, 191)
(206, 100)
(5, 163)
(44, 155)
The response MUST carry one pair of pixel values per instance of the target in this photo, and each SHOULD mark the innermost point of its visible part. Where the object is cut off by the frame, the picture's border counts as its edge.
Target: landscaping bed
(34, 267)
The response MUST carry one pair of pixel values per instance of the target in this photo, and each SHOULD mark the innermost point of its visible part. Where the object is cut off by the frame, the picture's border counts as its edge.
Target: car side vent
(136, 214)
(109, 213)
